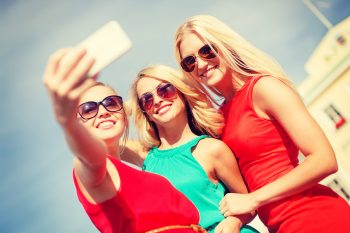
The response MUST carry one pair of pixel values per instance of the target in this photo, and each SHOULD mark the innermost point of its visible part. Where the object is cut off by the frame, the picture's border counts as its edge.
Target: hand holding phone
(106, 45)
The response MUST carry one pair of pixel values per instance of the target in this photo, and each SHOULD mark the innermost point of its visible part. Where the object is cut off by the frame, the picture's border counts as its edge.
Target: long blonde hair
(237, 53)
(202, 116)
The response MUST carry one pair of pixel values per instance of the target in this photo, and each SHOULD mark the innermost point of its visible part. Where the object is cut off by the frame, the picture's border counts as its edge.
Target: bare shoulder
(270, 91)
(213, 146)
(271, 86)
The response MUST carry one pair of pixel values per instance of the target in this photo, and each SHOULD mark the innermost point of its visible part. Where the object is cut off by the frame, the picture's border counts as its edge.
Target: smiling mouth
(163, 109)
(105, 125)
(202, 75)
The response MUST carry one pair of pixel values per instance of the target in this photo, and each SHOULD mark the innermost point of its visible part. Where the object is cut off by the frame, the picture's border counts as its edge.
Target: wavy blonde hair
(237, 53)
(203, 118)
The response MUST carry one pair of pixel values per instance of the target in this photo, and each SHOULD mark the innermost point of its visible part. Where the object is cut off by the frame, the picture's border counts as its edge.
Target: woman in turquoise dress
(173, 125)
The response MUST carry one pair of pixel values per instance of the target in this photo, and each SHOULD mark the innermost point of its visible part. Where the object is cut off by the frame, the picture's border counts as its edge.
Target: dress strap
(155, 151)
(249, 91)
(195, 141)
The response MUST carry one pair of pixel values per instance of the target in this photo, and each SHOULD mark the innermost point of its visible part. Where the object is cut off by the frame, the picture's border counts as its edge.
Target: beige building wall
(326, 93)
(338, 95)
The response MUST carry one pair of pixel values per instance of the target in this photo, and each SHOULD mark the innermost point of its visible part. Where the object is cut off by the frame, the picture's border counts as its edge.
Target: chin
(112, 140)
(217, 78)
(110, 136)
(213, 81)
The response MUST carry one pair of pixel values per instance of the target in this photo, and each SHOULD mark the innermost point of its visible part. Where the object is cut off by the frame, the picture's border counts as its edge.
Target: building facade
(326, 93)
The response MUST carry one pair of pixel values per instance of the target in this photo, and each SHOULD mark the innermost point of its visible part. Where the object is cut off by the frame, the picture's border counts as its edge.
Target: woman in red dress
(116, 197)
(266, 125)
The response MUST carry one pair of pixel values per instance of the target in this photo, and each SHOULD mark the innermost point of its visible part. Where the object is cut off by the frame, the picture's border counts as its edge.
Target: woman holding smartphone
(116, 197)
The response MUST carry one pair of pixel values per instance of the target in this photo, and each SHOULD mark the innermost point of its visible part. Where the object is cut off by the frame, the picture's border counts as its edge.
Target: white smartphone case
(106, 45)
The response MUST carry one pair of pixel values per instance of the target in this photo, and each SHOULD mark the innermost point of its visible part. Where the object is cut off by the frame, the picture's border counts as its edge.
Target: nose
(157, 100)
(102, 111)
(201, 63)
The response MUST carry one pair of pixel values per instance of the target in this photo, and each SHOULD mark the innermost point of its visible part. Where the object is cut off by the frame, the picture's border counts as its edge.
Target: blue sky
(36, 188)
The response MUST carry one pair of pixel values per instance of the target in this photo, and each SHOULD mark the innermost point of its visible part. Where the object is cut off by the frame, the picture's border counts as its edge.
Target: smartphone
(106, 45)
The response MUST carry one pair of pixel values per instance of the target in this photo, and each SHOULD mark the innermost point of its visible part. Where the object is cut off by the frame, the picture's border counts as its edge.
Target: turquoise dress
(188, 176)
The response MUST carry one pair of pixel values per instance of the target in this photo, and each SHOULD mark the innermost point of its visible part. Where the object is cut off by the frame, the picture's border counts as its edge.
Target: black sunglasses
(88, 110)
(205, 52)
(165, 91)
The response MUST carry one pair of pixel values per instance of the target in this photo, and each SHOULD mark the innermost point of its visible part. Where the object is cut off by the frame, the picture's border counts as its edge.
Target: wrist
(235, 220)
(257, 198)
(70, 126)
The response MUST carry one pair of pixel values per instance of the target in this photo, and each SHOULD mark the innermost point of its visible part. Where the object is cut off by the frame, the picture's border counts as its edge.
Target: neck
(113, 150)
(174, 135)
(231, 84)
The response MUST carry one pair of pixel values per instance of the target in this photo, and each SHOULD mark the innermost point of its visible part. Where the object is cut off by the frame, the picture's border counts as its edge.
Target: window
(338, 187)
(336, 117)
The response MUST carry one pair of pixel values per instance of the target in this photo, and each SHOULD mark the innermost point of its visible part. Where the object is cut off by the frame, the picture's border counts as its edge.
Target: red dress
(264, 153)
(144, 202)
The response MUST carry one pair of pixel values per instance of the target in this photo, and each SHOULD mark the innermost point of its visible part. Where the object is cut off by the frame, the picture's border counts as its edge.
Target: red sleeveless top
(264, 153)
(263, 149)
(144, 202)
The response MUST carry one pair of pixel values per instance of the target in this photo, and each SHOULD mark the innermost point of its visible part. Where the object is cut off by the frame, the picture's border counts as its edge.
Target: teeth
(163, 109)
(205, 74)
(105, 124)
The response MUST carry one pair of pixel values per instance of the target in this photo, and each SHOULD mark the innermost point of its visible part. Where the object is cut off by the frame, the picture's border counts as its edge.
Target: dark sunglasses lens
(166, 91)
(112, 103)
(188, 63)
(146, 101)
(206, 52)
(88, 110)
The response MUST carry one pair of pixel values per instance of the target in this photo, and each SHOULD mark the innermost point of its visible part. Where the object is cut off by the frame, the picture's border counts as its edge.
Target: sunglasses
(165, 91)
(206, 52)
(88, 110)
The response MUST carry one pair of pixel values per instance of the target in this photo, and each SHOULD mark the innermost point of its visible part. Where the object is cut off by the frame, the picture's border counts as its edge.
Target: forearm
(90, 150)
(302, 177)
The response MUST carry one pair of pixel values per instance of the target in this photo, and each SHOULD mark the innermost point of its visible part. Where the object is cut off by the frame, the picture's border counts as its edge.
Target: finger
(77, 92)
(223, 209)
(96, 76)
(222, 203)
(77, 77)
(53, 64)
(218, 229)
(227, 213)
(68, 63)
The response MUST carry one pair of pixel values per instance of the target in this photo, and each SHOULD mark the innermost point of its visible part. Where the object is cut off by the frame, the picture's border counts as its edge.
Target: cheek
(222, 64)
(180, 105)
(121, 121)
(216, 61)
(88, 124)
(224, 71)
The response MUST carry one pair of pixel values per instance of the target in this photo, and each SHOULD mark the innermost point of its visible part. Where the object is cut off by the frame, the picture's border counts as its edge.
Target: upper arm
(226, 167)
(107, 181)
(134, 152)
(88, 175)
(283, 104)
